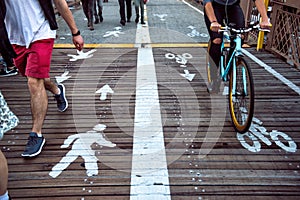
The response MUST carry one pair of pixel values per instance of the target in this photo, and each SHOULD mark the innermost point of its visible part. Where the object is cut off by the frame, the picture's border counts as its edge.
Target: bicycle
(235, 69)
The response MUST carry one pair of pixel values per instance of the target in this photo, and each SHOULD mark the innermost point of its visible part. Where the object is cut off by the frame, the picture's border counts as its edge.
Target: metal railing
(284, 38)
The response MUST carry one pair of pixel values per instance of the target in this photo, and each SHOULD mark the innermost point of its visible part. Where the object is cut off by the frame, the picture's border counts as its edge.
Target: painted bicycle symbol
(182, 60)
(258, 132)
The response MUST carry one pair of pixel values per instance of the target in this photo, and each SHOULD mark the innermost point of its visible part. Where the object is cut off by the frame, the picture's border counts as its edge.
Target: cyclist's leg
(215, 46)
(236, 16)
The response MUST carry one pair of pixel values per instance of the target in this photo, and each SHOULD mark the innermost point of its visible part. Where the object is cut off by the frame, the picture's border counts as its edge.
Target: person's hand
(265, 24)
(78, 42)
(215, 26)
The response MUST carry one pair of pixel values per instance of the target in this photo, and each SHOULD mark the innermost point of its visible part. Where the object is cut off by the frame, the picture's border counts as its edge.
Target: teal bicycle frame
(232, 60)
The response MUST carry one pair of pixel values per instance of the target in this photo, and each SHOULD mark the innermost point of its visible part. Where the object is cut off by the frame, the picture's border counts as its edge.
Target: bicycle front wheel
(241, 96)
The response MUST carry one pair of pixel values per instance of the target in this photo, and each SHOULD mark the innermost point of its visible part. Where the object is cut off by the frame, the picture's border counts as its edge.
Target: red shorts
(34, 61)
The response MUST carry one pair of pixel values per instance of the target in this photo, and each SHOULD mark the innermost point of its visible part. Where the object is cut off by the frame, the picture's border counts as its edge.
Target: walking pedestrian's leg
(137, 10)
(37, 60)
(85, 9)
(122, 12)
(90, 14)
(39, 103)
(142, 11)
(100, 7)
(96, 5)
(59, 93)
(128, 10)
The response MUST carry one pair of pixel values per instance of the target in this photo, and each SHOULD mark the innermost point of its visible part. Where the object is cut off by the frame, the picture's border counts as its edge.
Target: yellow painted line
(177, 45)
(96, 46)
(154, 45)
(161, 45)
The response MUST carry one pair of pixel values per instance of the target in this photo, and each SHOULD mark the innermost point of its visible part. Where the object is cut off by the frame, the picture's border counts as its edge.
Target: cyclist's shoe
(8, 72)
(62, 102)
(34, 145)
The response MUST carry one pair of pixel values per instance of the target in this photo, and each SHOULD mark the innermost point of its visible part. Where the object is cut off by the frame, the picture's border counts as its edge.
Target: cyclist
(216, 13)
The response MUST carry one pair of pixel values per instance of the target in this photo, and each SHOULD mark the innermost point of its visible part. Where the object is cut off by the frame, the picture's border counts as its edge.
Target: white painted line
(149, 173)
(199, 11)
(273, 72)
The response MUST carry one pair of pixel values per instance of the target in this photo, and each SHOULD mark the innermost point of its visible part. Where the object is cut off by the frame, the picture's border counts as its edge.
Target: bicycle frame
(224, 70)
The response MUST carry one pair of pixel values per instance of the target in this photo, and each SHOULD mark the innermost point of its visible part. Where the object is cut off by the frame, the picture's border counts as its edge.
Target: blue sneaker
(8, 72)
(34, 145)
(62, 103)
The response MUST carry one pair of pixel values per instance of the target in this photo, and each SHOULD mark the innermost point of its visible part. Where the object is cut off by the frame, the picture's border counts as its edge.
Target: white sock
(39, 135)
(59, 92)
(4, 196)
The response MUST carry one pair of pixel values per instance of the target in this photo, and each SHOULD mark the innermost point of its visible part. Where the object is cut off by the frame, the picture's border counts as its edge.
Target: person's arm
(209, 10)
(260, 5)
(66, 14)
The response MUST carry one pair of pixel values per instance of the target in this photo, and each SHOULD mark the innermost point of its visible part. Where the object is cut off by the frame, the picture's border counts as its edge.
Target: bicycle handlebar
(243, 30)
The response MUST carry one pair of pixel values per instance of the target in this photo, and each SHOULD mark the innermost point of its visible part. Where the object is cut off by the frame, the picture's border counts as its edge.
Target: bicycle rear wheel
(241, 96)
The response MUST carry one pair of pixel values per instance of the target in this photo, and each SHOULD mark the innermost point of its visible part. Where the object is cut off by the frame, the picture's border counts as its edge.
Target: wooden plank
(229, 171)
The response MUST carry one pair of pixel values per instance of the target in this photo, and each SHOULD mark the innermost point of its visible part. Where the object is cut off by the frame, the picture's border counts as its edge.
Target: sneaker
(34, 145)
(8, 72)
(123, 22)
(96, 20)
(62, 103)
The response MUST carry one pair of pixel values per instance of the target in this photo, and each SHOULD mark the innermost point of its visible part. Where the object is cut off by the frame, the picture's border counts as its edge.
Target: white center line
(269, 69)
(149, 174)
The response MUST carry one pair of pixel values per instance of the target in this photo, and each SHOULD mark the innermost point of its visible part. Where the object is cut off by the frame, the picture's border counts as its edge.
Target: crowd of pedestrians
(93, 11)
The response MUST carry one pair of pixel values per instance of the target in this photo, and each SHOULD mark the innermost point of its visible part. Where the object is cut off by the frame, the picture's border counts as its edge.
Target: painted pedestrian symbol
(161, 16)
(63, 77)
(82, 147)
(81, 55)
(117, 31)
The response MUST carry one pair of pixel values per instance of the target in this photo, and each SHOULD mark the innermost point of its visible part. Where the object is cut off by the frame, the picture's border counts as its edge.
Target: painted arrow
(104, 91)
(187, 75)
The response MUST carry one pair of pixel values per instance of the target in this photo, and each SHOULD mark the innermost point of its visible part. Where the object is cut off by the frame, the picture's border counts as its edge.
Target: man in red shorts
(31, 26)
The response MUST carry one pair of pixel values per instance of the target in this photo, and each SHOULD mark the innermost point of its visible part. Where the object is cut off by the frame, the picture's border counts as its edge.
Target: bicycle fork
(235, 56)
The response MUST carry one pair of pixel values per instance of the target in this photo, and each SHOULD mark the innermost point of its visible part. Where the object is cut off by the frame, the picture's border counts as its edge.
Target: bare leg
(3, 174)
(39, 103)
(51, 86)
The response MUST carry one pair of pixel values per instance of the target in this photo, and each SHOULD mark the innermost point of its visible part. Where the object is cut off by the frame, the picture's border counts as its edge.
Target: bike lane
(181, 68)
(204, 157)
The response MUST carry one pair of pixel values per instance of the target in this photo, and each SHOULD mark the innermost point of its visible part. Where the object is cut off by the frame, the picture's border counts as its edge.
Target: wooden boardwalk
(230, 169)
(91, 149)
